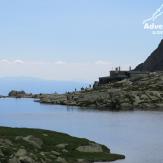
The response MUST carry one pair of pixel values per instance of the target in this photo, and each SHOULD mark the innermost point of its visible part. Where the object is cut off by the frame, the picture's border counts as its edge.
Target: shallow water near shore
(136, 134)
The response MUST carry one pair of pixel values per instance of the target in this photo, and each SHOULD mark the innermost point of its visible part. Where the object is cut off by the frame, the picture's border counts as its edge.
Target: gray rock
(18, 137)
(154, 61)
(36, 142)
(61, 145)
(26, 159)
(62, 160)
(14, 160)
(1, 153)
(65, 151)
(90, 148)
(5, 142)
(55, 153)
(21, 152)
(82, 161)
(42, 153)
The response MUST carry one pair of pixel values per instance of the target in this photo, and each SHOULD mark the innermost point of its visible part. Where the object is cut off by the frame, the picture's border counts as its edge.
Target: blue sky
(88, 37)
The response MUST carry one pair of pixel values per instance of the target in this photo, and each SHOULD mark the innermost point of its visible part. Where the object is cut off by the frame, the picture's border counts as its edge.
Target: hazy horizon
(37, 85)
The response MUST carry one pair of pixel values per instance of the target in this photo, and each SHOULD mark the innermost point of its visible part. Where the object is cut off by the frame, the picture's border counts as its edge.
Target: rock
(26, 159)
(52, 156)
(143, 93)
(154, 61)
(61, 160)
(5, 142)
(42, 153)
(65, 151)
(90, 148)
(42, 161)
(21, 152)
(25, 148)
(82, 161)
(21, 157)
(126, 106)
(1, 153)
(36, 142)
(20, 94)
(61, 145)
(14, 160)
(55, 153)
(17, 94)
(18, 137)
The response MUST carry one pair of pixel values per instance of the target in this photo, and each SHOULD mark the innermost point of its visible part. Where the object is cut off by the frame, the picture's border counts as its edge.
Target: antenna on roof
(130, 68)
(119, 68)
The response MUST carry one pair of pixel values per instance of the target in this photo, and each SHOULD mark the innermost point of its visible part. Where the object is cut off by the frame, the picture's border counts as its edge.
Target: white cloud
(56, 70)
(60, 62)
(6, 61)
(101, 62)
(18, 61)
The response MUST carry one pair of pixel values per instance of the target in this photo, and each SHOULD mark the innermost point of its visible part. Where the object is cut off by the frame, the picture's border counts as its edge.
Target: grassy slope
(51, 139)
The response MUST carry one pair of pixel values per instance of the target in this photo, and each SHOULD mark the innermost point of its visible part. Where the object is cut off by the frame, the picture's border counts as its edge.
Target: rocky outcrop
(36, 142)
(90, 148)
(22, 94)
(41, 146)
(19, 94)
(141, 92)
(154, 62)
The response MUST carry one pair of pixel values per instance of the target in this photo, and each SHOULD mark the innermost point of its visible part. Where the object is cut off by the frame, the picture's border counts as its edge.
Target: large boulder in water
(17, 94)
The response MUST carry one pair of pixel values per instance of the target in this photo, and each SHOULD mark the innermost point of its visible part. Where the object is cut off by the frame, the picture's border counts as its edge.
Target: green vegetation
(21, 145)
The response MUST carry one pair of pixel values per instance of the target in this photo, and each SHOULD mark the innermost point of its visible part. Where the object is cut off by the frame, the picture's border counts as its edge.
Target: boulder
(14, 160)
(55, 153)
(26, 159)
(61, 160)
(21, 152)
(17, 94)
(61, 145)
(90, 148)
(1, 153)
(36, 142)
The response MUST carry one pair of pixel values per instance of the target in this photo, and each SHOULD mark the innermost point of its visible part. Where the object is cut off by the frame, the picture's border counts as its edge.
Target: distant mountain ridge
(154, 62)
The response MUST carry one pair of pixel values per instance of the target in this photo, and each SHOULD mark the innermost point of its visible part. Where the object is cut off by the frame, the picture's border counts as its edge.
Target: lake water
(138, 135)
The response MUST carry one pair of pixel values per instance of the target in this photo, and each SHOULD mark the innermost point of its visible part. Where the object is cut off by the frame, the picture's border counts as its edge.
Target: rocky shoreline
(138, 93)
(141, 93)
(21, 145)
